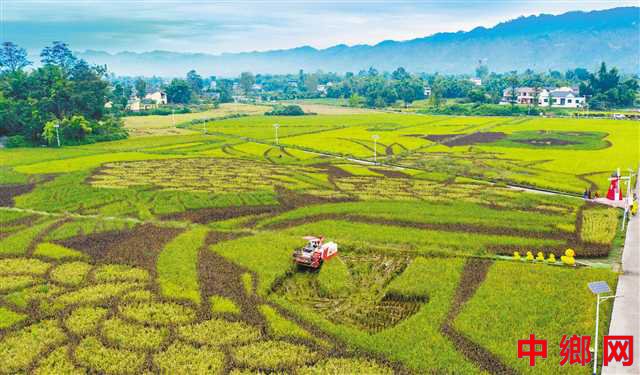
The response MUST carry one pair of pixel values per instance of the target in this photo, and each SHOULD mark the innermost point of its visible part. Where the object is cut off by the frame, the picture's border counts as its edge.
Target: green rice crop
(417, 341)
(17, 243)
(273, 355)
(86, 227)
(218, 332)
(281, 327)
(133, 336)
(158, 313)
(91, 294)
(119, 272)
(36, 293)
(92, 353)
(346, 366)
(19, 349)
(10, 266)
(518, 299)
(421, 241)
(334, 278)
(182, 358)
(53, 251)
(71, 274)
(177, 272)
(410, 283)
(221, 304)
(57, 362)
(9, 283)
(84, 320)
(247, 282)
(9, 317)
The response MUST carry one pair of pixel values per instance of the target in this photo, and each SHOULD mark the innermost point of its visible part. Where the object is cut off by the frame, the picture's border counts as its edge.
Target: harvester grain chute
(315, 252)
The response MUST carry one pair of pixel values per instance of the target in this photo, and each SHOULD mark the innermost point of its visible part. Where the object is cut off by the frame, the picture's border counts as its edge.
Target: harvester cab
(315, 252)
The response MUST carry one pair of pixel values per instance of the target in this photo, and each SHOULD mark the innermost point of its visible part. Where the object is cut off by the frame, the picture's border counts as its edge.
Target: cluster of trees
(64, 97)
(606, 89)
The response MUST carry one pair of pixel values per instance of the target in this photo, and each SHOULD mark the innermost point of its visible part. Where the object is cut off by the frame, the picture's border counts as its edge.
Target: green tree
(355, 100)
(247, 79)
(141, 87)
(179, 91)
(58, 54)
(195, 81)
(12, 57)
(73, 130)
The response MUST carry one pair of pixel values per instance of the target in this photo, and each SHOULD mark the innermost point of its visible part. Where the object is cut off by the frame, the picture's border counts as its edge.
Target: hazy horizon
(246, 26)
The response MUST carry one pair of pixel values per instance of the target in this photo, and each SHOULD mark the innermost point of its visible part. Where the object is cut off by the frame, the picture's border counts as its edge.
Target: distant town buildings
(561, 97)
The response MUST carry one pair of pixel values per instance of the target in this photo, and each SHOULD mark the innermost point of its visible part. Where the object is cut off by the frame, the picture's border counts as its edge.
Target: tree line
(62, 99)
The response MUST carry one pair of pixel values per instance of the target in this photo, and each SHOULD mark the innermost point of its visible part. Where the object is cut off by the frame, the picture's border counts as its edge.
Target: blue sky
(236, 26)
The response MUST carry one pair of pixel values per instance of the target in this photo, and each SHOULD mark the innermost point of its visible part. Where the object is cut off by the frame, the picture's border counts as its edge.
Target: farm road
(625, 319)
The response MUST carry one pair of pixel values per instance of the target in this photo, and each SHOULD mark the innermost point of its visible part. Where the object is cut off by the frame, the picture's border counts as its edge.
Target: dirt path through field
(473, 274)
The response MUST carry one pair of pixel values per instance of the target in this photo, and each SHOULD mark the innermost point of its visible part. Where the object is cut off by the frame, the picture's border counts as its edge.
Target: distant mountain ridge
(543, 42)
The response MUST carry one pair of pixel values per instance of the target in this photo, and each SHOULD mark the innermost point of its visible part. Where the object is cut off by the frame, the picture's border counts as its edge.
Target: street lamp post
(57, 126)
(276, 126)
(598, 288)
(375, 148)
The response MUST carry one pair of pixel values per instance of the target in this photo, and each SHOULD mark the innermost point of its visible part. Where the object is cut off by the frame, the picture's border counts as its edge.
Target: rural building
(561, 97)
(158, 97)
(476, 81)
(426, 91)
(322, 89)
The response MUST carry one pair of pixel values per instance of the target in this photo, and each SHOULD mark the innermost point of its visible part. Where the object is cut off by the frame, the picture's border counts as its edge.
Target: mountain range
(542, 42)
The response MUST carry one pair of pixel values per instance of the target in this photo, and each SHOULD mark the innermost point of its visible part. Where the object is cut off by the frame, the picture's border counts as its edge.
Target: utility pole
(375, 148)
(276, 126)
(57, 126)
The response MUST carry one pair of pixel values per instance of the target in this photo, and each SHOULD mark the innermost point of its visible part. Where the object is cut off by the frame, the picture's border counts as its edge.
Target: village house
(561, 97)
(150, 101)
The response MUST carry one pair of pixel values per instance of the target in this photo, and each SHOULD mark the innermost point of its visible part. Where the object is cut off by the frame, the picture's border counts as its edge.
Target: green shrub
(182, 358)
(273, 355)
(91, 353)
(221, 304)
(57, 362)
(177, 265)
(18, 141)
(84, 320)
(53, 251)
(281, 327)
(346, 366)
(287, 110)
(119, 272)
(19, 349)
(334, 278)
(9, 317)
(219, 332)
(158, 313)
(133, 336)
(73, 273)
(14, 266)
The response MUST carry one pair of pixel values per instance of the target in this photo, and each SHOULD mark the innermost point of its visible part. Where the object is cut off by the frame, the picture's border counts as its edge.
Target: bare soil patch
(464, 139)
(138, 247)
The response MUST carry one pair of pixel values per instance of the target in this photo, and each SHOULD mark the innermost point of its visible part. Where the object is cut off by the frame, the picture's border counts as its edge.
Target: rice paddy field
(172, 253)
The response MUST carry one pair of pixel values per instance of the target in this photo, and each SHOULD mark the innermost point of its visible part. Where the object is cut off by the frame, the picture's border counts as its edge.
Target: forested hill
(539, 42)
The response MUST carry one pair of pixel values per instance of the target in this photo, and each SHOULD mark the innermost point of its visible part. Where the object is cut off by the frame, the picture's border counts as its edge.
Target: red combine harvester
(315, 252)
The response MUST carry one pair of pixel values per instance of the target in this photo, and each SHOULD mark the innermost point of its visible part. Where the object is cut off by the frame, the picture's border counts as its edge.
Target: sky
(237, 26)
